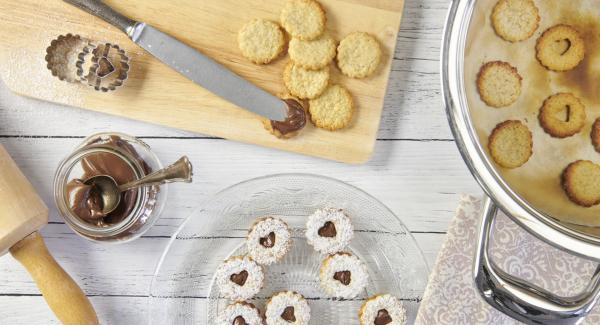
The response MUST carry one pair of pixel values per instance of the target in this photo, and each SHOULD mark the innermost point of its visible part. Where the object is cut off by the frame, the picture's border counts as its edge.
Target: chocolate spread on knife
(296, 119)
(85, 200)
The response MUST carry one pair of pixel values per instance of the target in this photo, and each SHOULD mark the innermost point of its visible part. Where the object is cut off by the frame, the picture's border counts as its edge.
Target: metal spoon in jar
(110, 192)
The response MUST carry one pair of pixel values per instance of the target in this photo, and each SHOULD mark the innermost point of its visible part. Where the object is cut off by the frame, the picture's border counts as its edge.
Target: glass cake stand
(183, 289)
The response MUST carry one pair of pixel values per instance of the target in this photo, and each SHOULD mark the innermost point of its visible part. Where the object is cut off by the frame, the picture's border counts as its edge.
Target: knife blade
(192, 64)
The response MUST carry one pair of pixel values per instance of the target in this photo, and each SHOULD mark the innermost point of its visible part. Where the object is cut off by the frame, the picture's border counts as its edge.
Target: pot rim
(539, 224)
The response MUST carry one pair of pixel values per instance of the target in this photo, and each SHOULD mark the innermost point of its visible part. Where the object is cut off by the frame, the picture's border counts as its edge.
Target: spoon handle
(180, 171)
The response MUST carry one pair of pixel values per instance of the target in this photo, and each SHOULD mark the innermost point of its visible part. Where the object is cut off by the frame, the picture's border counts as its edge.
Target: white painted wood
(419, 179)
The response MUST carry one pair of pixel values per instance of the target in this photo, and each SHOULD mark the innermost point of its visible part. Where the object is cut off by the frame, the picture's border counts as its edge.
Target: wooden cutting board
(155, 93)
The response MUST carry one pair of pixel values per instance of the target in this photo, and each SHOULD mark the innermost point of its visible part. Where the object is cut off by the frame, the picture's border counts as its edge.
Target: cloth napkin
(451, 297)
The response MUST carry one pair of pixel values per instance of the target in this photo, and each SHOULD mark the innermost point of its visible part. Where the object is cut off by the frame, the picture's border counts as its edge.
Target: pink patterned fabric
(451, 297)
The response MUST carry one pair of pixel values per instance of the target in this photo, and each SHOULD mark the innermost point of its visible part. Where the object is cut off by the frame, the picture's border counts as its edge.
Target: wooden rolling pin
(22, 214)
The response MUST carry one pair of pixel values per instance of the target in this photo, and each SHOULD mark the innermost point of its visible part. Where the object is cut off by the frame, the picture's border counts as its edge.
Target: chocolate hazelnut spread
(328, 230)
(239, 321)
(85, 200)
(296, 119)
(239, 278)
(268, 241)
(343, 276)
(383, 317)
(288, 314)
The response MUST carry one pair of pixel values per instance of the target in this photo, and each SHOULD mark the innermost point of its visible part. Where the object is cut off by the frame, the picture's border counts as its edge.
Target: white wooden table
(416, 171)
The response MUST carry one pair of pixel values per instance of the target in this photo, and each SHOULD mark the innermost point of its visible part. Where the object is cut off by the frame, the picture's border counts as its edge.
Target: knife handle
(103, 11)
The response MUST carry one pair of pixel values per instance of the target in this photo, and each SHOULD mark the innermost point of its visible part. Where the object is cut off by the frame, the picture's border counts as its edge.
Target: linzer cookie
(358, 55)
(329, 230)
(303, 19)
(313, 55)
(293, 124)
(511, 144)
(304, 83)
(515, 20)
(261, 41)
(562, 115)
(560, 48)
(239, 278)
(343, 275)
(333, 110)
(499, 84)
(269, 240)
(286, 308)
(240, 313)
(382, 310)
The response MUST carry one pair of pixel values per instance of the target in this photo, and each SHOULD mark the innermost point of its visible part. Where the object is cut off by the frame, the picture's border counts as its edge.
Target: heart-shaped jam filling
(328, 230)
(239, 278)
(239, 321)
(268, 241)
(288, 314)
(345, 277)
(382, 318)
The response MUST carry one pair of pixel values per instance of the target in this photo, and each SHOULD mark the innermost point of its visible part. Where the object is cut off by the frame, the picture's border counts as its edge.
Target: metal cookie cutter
(61, 56)
(104, 66)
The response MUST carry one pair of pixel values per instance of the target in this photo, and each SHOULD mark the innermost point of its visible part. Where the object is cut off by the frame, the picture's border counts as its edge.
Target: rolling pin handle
(103, 11)
(63, 295)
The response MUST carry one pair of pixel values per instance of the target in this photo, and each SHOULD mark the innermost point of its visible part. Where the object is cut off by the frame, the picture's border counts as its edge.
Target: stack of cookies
(312, 49)
(561, 115)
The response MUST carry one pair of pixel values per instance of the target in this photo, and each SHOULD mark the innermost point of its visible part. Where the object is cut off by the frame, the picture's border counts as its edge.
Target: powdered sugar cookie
(358, 55)
(239, 278)
(261, 41)
(303, 19)
(313, 55)
(382, 309)
(343, 275)
(287, 308)
(304, 83)
(329, 230)
(240, 313)
(269, 240)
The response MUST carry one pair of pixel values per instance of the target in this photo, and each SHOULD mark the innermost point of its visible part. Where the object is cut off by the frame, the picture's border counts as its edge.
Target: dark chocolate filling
(383, 317)
(239, 321)
(268, 241)
(288, 314)
(239, 278)
(328, 230)
(345, 277)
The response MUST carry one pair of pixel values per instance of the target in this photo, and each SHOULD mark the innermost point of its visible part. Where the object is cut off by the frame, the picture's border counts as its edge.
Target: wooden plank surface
(416, 171)
(155, 93)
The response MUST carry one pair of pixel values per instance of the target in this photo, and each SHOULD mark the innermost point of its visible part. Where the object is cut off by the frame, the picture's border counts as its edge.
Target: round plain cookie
(333, 110)
(581, 183)
(515, 20)
(511, 144)
(329, 230)
(313, 55)
(560, 48)
(358, 55)
(595, 134)
(268, 240)
(304, 83)
(261, 41)
(382, 309)
(287, 308)
(239, 278)
(303, 19)
(343, 275)
(562, 115)
(240, 313)
(499, 84)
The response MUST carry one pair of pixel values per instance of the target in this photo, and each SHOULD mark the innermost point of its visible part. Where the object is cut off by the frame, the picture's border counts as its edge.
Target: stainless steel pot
(512, 296)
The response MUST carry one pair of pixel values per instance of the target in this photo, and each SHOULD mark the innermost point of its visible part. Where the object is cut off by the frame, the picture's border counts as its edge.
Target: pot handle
(519, 299)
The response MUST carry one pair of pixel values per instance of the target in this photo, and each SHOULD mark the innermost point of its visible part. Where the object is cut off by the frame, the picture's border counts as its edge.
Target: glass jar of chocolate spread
(125, 159)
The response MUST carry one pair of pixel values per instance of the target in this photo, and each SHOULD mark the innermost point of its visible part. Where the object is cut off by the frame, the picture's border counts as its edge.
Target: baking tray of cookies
(533, 99)
(155, 93)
